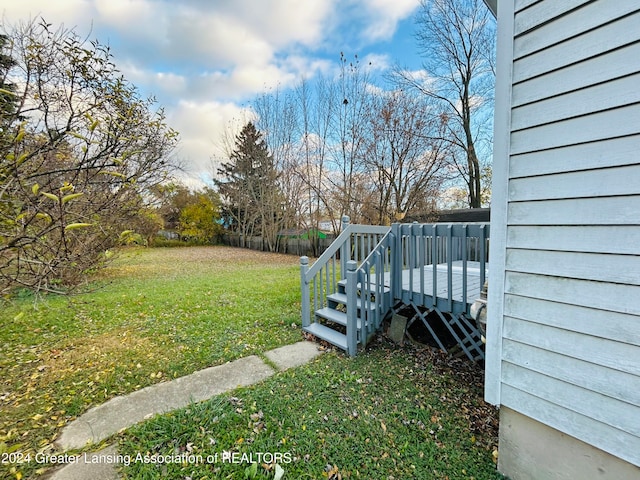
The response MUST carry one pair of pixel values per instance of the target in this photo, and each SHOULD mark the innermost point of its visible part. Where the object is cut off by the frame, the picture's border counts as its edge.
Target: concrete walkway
(121, 412)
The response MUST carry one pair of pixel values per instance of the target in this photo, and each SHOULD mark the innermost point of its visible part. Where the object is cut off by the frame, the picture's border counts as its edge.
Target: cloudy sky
(205, 60)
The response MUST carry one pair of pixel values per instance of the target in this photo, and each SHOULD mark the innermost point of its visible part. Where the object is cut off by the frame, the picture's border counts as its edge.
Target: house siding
(564, 304)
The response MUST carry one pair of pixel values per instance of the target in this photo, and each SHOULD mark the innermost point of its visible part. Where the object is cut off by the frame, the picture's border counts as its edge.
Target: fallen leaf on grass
(279, 472)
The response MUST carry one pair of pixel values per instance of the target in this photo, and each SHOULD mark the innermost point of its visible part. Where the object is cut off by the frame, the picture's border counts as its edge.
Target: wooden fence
(292, 246)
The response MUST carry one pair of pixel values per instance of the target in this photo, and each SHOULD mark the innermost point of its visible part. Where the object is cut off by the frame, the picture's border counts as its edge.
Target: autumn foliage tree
(81, 148)
(405, 158)
(199, 217)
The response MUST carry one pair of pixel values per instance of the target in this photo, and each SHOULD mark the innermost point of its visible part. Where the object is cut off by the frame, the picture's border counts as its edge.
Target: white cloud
(136, 18)
(384, 15)
(216, 40)
(420, 77)
(70, 13)
(219, 35)
(204, 129)
(203, 58)
(376, 62)
(282, 22)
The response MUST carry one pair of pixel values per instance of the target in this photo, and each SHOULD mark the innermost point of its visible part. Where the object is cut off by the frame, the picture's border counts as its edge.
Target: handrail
(373, 298)
(348, 230)
(321, 278)
(345, 234)
(376, 261)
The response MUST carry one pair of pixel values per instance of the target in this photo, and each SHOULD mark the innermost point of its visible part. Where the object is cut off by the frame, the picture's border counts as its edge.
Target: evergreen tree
(248, 185)
(8, 98)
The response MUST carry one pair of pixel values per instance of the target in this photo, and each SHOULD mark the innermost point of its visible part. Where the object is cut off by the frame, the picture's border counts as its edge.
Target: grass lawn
(389, 413)
(156, 314)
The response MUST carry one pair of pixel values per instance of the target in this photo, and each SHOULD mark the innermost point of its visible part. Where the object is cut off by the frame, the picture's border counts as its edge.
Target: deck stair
(345, 294)
(331, 320)
(371, 272)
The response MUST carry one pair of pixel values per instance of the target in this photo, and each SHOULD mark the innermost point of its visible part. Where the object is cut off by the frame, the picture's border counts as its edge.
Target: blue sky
(204, 60)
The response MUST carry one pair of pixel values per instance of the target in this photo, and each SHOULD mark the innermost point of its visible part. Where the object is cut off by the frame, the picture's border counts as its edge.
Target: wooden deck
(418, 285)
(437, 268)
(454, 293)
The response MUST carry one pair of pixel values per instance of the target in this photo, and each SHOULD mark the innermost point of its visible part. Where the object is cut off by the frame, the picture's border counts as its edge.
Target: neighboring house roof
(463, 215)
(493, 6)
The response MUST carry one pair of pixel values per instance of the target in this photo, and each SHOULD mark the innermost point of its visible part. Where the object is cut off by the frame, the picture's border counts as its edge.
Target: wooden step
(334, 316)
(341, 299)
(342, 284)
(327, 334)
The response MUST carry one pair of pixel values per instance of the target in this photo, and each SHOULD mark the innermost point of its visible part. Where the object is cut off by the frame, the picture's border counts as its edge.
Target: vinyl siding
(564, 316)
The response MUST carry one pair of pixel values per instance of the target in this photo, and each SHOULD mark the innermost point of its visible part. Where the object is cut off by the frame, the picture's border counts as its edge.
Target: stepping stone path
(120, 413)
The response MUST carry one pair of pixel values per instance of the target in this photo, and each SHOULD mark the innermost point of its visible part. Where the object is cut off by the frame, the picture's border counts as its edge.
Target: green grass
(390, 413)
(154, 314)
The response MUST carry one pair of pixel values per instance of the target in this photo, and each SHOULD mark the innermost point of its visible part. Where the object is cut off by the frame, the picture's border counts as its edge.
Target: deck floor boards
(414, 283)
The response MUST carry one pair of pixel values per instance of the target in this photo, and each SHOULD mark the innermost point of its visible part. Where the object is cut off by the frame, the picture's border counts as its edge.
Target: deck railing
(369, 287)
(460, 249)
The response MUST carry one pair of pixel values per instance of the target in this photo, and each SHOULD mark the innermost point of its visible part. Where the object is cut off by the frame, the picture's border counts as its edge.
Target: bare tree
(311, 164)
(405, 156)
(318, 107)
(456, 40)
(350, 128)
(277, 119)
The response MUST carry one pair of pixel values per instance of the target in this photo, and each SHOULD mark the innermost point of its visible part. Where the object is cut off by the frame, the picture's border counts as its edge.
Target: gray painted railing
(354, 244)
(371, 279)
(376, 261)
(461, 247)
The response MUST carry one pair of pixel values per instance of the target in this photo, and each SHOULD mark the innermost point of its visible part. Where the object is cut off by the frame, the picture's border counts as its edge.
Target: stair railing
(370, 283)
(376, 261)
(354, 243)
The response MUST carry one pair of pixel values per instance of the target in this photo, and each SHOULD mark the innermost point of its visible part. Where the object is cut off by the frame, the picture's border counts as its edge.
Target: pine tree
(8, 99)
(248, 185)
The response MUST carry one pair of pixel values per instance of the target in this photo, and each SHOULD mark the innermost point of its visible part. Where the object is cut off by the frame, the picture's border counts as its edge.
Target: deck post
(450, 255)
(345, 249)
(306, 294)
(396, 263)
(483, 253)
(352, 308)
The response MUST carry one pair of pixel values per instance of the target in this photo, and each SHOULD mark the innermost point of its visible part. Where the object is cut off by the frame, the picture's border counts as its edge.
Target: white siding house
(563, 342)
